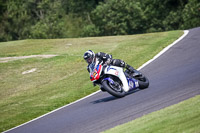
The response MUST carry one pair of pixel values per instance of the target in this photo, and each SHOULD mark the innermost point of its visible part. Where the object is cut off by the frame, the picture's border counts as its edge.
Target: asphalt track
(174, 77)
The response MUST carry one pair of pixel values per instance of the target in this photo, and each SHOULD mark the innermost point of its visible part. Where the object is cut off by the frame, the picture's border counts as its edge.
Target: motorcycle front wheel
(113, 88)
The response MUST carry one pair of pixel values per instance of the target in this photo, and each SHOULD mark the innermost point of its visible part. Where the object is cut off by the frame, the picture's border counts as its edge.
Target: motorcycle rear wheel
(143, 82)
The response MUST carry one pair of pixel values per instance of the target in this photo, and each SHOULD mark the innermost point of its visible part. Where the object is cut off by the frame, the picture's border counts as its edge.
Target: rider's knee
(118, 62)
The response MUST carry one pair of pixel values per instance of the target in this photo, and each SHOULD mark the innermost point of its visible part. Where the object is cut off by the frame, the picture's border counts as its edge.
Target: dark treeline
(24, 19)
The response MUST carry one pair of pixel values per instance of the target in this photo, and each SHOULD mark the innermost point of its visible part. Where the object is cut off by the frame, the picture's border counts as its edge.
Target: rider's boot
(132, 70)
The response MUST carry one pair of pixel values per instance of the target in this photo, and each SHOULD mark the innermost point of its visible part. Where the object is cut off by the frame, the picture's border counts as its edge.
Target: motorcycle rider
(105, 58)
(90, 57)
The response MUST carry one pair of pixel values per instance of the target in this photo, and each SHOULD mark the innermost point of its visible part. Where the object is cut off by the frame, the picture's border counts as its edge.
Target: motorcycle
(115, 80)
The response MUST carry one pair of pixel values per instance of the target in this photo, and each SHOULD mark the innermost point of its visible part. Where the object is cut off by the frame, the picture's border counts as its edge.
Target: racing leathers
(107, 59)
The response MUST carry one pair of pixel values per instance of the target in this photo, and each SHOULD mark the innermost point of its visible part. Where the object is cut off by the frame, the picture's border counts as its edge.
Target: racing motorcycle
(115, 80)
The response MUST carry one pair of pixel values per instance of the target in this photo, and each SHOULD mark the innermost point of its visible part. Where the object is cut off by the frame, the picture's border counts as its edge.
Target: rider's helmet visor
(89, 60)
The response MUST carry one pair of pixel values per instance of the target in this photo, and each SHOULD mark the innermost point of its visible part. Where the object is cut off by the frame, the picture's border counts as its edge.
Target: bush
(191, 14)
(90, 30)
(116, 17)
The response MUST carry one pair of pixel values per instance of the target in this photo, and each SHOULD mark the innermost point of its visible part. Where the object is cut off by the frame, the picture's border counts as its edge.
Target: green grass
(180, 118)
(62, 79)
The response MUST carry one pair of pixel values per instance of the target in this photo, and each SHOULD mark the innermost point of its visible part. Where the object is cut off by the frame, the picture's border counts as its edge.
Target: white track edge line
(164, 50)
(145, 64)
(52, 111)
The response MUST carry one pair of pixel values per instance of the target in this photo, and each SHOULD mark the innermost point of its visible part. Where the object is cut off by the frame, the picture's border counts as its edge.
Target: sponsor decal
(116, 73)
(109, 68)
(131, 84)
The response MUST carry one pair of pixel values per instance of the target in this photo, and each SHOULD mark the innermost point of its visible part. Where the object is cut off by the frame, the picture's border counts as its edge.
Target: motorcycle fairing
(95, 75)
(132, 83)
(118, 71)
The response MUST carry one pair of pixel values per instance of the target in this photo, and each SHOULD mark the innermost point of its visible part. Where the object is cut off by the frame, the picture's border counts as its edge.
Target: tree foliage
(23, 19)
(50, 22)
(191, 14)
(116, 17)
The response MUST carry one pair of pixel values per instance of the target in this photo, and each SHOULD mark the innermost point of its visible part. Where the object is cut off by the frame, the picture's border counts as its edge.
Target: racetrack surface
(174, 77)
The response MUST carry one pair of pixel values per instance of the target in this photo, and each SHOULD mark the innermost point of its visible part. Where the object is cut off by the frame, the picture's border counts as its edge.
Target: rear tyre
(143, 81)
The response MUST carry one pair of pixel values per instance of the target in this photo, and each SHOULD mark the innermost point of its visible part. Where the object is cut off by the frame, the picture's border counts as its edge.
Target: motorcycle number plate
(94, 74)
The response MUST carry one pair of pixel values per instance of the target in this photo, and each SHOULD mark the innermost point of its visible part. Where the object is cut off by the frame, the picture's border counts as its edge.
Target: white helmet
(89, 56)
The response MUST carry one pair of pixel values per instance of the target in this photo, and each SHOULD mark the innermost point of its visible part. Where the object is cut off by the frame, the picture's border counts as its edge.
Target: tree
(191, 14)
(115, 17)
(33, 19)
(50, 24)
(16, 20)
(2, 17)
(22, 19)
(163, 15)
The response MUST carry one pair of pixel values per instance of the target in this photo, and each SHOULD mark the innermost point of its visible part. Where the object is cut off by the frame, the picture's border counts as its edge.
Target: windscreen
(92, 67)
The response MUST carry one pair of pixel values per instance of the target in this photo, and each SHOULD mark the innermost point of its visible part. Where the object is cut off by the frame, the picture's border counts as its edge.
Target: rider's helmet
(89, 56)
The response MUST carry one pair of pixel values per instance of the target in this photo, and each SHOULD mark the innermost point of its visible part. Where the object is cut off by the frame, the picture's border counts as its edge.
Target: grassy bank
(180, 118)
(62, 79)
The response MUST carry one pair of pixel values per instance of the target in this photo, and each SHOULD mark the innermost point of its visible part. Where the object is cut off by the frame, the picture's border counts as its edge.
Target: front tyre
(114, 89)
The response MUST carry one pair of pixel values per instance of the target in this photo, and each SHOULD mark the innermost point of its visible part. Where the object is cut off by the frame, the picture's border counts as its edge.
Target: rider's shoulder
(99, 54)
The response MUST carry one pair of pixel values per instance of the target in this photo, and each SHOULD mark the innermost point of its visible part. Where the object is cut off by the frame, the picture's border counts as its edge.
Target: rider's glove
(100, 61)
